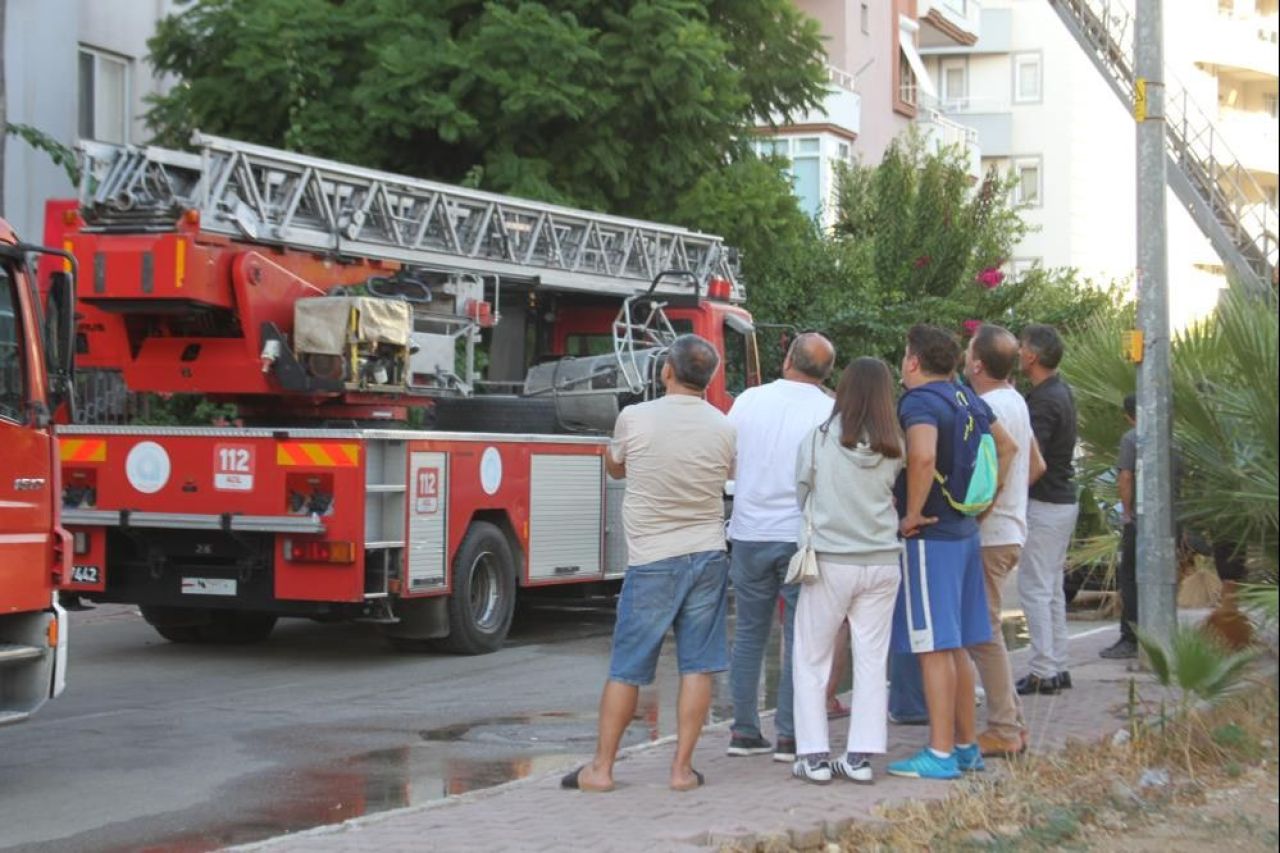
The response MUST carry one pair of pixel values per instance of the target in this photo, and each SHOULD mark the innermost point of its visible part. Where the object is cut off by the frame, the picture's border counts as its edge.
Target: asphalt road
(172, 747)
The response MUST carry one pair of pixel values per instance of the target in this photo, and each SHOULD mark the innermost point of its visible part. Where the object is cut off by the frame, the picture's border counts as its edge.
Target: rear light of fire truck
(80, 542)
(319, 551)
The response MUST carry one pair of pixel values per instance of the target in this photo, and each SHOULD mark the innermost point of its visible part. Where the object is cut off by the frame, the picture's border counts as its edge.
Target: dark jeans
(906, 688)
(1127, 582)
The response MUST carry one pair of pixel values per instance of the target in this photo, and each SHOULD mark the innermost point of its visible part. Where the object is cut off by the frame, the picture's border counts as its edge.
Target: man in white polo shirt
(771, 421)
(989, 363)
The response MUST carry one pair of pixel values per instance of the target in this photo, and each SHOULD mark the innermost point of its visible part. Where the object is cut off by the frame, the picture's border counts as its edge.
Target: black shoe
(748, 745)
(785, 750)
(1064, 680)
(1030, 684)
(1123, 649)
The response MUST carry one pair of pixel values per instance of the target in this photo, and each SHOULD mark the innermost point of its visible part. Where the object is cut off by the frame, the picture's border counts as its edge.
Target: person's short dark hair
(1131, 405)
(693, 360)
(936, 348)
(1045, 342)
(997, 349)
(810, 358)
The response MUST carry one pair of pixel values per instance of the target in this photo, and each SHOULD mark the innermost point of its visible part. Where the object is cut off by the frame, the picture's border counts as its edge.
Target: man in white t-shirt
(989, 363)
(771, 421)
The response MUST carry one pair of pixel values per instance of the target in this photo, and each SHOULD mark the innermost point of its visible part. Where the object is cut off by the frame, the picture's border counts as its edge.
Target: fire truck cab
(35, 551)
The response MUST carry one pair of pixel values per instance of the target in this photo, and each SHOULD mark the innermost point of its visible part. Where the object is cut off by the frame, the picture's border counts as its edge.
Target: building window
(907, 82)
(1027, 83)
(1028, 189)
(104, 96)
(865, 18)
(955, 84)
(1019, 267)
(1270, 105)
(804, 166)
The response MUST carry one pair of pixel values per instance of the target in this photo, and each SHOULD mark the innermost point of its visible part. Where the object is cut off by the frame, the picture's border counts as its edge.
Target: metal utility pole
(1157, 567)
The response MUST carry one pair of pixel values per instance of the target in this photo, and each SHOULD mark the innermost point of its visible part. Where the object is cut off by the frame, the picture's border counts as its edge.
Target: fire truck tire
(177, 625)
(497, 413)
(179, 633)
(484, 592)
(231, 628)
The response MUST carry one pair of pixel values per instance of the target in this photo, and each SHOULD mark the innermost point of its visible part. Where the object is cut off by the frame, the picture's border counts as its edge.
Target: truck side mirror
(60, 337)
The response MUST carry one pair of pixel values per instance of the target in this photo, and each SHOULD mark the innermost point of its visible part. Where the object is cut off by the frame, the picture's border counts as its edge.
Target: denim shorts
(687, 593)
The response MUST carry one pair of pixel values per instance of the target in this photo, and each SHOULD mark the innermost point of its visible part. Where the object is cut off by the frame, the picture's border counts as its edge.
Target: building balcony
(840, 111)
(1249, 45)
(947, 23)
(941, 133)
(1253, 137)
(995, 36)
(990, 118)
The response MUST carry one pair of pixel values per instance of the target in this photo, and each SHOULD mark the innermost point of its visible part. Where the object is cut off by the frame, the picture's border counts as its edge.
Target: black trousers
(1127, 581)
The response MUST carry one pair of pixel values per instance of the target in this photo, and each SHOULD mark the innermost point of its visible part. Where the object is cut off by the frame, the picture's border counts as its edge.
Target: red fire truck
(374, 470)
(35, 551)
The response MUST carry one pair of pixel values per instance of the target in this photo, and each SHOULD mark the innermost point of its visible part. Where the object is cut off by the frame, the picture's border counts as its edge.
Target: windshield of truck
(740, 367)
(12, 386)
(584, 345)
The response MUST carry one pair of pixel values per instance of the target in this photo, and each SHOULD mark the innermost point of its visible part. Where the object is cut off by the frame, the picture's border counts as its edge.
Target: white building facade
(73, 69)
(1041, 109)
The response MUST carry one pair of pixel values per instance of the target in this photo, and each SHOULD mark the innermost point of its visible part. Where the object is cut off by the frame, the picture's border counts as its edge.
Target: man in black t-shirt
(1051, 512)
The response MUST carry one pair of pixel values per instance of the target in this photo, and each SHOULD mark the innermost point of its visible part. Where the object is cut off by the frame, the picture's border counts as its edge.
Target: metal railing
(1219, 192)
(285, 198)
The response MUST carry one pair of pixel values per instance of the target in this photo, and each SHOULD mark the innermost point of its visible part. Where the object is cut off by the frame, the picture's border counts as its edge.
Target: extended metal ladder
(1222, 196)
(283, 198)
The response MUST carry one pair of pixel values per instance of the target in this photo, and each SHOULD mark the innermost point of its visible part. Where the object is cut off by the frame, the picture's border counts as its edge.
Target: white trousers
(1044, 559)
(864, 595)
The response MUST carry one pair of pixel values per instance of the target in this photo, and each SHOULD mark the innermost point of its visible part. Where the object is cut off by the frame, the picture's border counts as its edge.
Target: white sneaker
(859, 772)
(815, 770)
(979, 696)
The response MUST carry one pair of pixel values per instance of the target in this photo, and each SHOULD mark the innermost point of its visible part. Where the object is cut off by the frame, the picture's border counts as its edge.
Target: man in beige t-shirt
(676, 453)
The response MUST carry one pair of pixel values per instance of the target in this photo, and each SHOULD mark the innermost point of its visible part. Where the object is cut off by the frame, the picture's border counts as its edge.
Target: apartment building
(1041, 109)
(73, 69)
(879, 86)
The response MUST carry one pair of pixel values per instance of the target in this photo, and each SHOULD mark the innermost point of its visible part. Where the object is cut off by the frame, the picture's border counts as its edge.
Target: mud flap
(420, 619)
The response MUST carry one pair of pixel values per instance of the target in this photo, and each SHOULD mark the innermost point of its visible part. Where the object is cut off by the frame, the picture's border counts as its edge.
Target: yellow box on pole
(1132, 343)
(1140, 99)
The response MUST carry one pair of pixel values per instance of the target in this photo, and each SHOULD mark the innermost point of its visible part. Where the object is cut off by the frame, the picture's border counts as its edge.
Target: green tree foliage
(1226, 406)
(619, 105)
(61, 155)
(913, 241)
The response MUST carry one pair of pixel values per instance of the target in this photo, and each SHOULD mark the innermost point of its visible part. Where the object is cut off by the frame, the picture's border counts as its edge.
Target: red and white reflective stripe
(318, 454)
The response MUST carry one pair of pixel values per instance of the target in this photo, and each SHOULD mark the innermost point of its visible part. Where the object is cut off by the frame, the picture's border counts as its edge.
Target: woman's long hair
(865, 408)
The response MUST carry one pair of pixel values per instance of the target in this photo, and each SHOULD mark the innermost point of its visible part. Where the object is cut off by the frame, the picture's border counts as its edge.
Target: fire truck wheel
(179, 633)
(177, 625)
(484, 592)
(229, 627)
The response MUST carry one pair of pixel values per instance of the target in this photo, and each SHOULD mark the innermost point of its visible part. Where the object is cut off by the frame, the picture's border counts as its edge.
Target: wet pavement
(164, 747)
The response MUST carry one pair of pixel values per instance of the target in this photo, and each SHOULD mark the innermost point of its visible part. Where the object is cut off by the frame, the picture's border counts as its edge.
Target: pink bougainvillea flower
(990, 278)
(971, 326)
(922, 261)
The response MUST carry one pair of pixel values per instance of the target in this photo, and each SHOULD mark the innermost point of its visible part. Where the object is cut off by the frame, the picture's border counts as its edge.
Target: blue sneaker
(925, 765)
(969, 759)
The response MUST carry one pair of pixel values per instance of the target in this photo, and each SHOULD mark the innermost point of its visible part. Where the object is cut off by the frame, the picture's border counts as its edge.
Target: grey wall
(40, 88)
